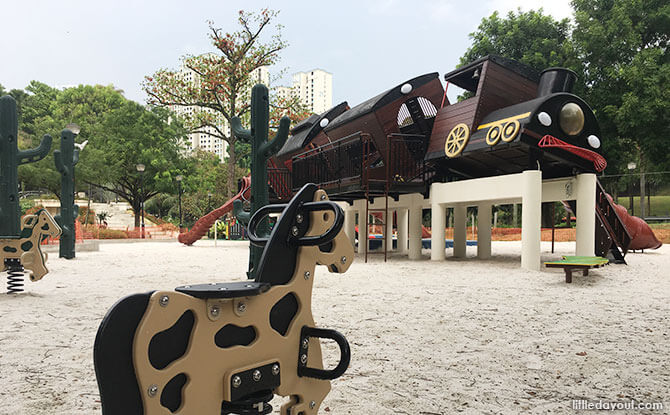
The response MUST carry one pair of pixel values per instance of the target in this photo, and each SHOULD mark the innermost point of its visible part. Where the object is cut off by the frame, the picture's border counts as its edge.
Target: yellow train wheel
(510, 130)
(493, 135)
(456, 140)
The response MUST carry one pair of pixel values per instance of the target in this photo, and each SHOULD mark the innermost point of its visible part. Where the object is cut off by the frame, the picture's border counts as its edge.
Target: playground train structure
(410, 136)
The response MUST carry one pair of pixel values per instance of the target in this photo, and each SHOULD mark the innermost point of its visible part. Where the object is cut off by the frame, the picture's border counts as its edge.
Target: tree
(530, 37)
(47, 110)
(128, 136)
(224, 79)
(625, 45)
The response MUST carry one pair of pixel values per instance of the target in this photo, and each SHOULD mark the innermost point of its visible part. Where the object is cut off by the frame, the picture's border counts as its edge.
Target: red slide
(205, 223)
(641, 235)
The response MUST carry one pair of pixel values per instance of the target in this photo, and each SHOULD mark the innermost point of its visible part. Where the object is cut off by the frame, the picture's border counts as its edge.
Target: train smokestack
(553, 80)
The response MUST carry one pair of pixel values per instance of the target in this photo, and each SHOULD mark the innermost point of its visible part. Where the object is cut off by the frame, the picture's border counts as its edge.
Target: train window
(414, 113)
(414, 108)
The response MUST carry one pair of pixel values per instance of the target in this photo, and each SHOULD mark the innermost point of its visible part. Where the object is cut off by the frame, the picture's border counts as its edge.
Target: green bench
(584, 263)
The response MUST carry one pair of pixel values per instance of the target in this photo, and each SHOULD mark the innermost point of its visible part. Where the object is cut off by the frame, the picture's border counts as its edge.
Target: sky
(368, 45)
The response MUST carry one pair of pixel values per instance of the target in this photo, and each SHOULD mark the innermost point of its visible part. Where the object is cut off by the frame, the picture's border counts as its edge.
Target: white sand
(427, 337)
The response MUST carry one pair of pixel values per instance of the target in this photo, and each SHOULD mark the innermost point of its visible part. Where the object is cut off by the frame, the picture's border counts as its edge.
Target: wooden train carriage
(304, 133)
(512, 123)
(354, 147)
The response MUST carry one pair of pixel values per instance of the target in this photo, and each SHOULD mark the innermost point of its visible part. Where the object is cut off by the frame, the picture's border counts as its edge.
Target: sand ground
(455, 336)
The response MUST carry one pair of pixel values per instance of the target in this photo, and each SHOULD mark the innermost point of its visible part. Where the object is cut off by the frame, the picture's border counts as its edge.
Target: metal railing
(279, 180)
(351, 159)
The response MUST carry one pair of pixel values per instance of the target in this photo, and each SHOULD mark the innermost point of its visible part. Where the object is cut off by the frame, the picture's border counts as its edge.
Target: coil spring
(14, 281)
(254, 404)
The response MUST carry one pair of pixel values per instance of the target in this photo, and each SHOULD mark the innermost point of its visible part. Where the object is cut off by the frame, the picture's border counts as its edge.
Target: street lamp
(140, 168)
(631, 167)
(209, 201)
(179, 178)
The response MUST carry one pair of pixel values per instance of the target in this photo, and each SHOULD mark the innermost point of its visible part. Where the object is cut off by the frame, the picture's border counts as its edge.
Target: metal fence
(650, 201)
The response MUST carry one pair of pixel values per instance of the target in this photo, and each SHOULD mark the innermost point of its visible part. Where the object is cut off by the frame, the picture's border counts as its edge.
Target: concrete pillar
(531, 212)
(586, 214)
(415, 223)
(484, 231)
(388, 232)
(438, 219)
(362, 231)
(402, 230)
(460, 231)
(350, 225)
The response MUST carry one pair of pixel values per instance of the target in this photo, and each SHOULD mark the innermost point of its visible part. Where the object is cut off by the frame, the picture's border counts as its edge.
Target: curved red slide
(641, 235)
(203, 224)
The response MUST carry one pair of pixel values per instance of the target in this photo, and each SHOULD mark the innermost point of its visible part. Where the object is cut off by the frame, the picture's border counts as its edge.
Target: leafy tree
(532, 37)
(47, 110)
(225, 79)
(128, 136)
(2, 90)
(625, 44)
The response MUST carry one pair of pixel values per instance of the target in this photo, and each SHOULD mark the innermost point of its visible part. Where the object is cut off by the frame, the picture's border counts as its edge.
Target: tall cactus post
(66, 158)
(261, 150)
(10, 159)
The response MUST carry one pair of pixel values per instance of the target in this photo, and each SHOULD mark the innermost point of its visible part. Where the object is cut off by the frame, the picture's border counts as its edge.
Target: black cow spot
(26, 246)
(9, 249)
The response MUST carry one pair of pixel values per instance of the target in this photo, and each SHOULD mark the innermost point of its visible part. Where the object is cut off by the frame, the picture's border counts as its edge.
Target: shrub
(112, 234)
(83, 218)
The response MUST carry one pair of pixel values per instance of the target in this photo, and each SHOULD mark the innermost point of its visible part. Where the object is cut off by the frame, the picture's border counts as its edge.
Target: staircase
(612, 237)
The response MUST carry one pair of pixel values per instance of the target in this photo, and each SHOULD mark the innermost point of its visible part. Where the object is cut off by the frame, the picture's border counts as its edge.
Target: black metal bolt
(164, 301)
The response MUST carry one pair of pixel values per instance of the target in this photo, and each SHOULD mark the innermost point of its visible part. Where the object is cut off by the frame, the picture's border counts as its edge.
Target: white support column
(586, 215)
(460, 231)
(531, 212)
(362, 231)
(402, 231)
(437, 223)
(415, 232)
(484, 231)
(350, 225)
(388, 233)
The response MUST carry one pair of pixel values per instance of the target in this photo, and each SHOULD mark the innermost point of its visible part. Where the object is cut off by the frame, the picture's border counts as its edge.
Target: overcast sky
(368, 45)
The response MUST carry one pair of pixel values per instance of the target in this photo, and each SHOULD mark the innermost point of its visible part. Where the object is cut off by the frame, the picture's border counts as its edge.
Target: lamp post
(140, 168)
(209, 201)
(179, 178)
(631, 167)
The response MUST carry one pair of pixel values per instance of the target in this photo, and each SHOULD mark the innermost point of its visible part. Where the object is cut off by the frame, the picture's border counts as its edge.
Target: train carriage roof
(379, 101)
(463, 76)
(305, 131)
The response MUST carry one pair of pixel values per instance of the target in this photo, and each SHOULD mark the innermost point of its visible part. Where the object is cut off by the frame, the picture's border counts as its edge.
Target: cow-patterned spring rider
(227, 348)
(24, 253)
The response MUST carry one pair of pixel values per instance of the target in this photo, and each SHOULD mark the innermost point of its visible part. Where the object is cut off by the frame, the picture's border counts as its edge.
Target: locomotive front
(559, 128)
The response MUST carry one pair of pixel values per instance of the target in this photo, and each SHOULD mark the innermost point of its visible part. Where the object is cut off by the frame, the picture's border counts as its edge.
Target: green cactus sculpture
(261, 150)
(10, 159)
(66, 158)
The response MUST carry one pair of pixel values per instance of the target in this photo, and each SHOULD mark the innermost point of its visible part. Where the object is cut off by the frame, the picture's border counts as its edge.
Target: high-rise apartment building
(204, 139)
(314, 89)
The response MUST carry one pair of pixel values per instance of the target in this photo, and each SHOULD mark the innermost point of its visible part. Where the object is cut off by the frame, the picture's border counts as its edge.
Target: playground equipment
(579, 263)
(205, 223)
(10, 158)
(24, 253)
(227, 348)
(20, 239)
(66, 158)
(261, 151)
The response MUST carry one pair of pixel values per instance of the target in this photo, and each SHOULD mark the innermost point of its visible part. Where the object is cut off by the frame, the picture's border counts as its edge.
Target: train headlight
(324, 122)
(594, 141)
(544, 118)
(571, 119)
